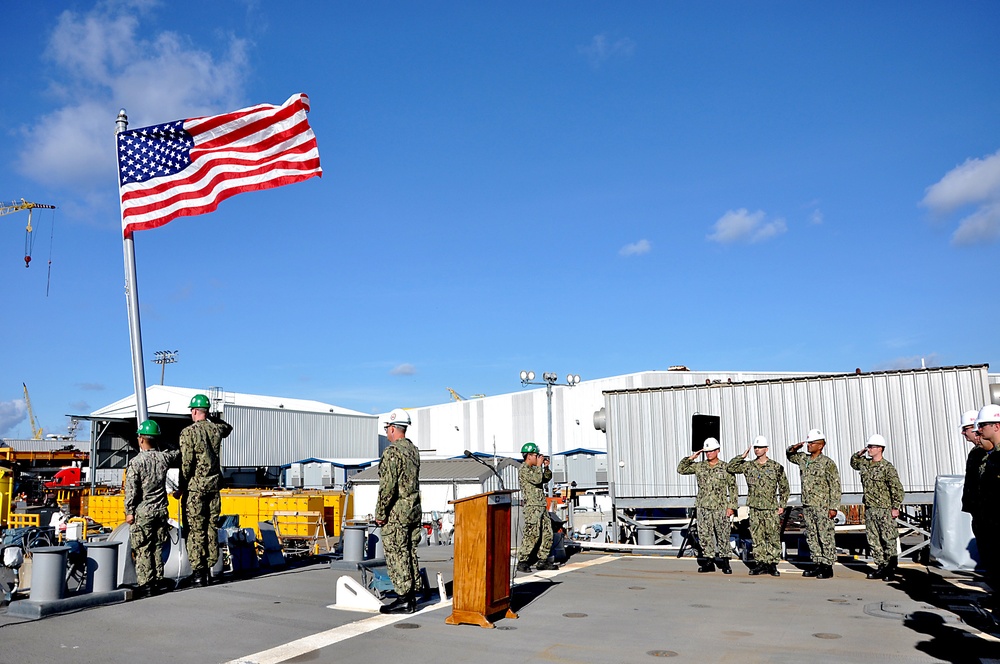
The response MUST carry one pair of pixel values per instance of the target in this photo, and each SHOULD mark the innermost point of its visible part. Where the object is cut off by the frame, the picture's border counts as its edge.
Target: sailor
(767, 495)
(398, 512)
(883, 498)
(820, 501)
(975, 464)
(200, 482)
(536, 540)
(988, 424)
(146, 507)
(716, 502)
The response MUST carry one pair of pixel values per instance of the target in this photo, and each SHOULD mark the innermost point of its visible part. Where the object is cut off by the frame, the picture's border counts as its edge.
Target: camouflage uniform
(146, 501)
(536, 540)
(975, 464)
(200, 481)
(767, 490)
(820, 494)
(883, 493)
(399, 506)
(716, 494)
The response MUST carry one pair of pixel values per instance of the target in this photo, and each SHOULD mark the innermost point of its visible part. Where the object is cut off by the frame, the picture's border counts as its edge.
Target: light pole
(549, 380)
(163, 358)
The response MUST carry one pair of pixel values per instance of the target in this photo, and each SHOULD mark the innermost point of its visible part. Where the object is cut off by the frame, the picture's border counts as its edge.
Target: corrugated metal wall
(917, 411)
(273, 437)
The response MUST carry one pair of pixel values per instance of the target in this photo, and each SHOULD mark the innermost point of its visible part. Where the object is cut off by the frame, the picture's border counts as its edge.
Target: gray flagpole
(132, 299)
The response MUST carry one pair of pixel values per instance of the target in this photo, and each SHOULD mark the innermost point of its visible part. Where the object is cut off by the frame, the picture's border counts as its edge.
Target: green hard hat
(199, 401)
(149, 428)
(529, 448)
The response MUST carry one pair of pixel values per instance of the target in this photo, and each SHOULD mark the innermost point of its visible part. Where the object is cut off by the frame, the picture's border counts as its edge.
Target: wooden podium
(481, 586)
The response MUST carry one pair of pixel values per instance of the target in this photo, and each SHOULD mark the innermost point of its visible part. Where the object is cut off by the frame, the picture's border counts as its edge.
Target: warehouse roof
(169, 400)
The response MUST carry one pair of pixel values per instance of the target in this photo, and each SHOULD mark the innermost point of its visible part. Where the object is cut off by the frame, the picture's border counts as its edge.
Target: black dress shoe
(524, 568)
(772, 569)
(724, 566)
(405, 604)
(707, 567)
(812, 571)
(826, 572)
(879, 573)
(759, 568)
(544, 564)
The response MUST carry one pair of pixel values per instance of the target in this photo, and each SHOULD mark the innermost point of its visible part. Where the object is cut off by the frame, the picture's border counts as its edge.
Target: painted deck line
(320, 640)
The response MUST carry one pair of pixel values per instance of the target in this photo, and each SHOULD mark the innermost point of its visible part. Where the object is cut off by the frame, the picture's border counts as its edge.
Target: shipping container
(649, 430)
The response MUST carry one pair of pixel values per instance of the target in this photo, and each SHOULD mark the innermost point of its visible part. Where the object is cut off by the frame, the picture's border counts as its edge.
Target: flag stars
(160, 150)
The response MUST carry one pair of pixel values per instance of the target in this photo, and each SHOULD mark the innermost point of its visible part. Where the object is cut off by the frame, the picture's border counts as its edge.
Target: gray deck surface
(599, 608)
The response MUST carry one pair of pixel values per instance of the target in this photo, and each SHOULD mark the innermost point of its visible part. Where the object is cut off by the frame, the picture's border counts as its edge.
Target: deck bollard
(646, 535)
(375, 548)
(102, 566)
(354, 543)
(48, 573)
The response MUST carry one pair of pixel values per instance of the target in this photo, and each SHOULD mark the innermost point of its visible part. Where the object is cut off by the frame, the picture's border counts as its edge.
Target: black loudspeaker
(702, 427)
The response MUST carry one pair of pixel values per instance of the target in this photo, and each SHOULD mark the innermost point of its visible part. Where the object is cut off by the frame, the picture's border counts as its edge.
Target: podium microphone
(470, 455)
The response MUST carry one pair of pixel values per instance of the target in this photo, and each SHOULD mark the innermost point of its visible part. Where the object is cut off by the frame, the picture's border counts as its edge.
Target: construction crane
(455, 396)
(36, 432)
(28, 239)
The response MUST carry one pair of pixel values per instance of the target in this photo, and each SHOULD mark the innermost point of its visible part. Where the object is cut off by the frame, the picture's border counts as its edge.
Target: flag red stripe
(241, 131)
(251, 149)
(209, 185)
(211, 207)
(212, 161)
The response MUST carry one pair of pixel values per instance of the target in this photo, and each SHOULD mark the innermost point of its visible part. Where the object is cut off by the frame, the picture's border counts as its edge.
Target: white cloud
(743, 226)
(983, 225)
(973, 183)
(102, 64)
(600, 50)
(816, 218)
(636, 248)
(404, 369)
(12, 413)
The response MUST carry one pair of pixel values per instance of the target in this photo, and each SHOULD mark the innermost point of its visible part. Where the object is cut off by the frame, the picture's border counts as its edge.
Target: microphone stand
(470, 455)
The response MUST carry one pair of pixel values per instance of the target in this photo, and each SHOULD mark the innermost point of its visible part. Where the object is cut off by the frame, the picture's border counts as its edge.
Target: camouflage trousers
(147, 536)
(882, 534)
(820, 535)
(765, 531)
(201, 514)
(536, 540)
(400, 543)
(713, 532)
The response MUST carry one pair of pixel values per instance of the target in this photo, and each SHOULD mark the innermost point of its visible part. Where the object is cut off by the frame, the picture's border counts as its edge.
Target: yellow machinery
(251, 505)
(6, 495)
(17, 207)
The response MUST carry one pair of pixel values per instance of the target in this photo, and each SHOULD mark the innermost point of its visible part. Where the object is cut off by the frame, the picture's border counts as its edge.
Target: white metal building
(441, 480)
(268, 432)
(501, 424)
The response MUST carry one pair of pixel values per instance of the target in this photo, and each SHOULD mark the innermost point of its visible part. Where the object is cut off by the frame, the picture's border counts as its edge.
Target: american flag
(188, 167)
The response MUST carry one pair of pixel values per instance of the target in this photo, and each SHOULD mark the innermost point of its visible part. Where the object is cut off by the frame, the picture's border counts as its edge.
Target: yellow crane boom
(36, 432)
(29, 206)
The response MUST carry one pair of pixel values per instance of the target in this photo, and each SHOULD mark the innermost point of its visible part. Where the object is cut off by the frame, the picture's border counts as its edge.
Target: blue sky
(596, 188)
